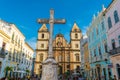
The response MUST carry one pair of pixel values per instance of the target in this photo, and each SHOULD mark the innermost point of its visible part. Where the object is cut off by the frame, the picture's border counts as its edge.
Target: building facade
(98, 49)
(66, 54)
(19, 53)
(112, 17)
(86, 60)
(4, 45)
(85, 65)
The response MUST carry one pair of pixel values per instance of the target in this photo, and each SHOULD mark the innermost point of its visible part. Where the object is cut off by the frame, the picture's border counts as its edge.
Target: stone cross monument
(49, 66)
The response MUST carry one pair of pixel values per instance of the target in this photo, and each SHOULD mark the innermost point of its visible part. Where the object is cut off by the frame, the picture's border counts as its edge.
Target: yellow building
(66, 54)
(86, 59)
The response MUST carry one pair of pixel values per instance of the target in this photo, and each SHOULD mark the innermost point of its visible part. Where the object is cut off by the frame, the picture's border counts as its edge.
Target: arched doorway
(118, 70)
(59, 69)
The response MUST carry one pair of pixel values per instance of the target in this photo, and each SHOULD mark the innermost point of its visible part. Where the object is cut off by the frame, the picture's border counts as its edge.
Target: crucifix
(51, 21)
(49, 66)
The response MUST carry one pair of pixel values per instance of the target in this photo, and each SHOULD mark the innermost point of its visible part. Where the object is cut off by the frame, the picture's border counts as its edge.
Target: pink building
(112, 16)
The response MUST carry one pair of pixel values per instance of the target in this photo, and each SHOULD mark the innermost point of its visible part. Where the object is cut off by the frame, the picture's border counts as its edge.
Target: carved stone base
(49, 69)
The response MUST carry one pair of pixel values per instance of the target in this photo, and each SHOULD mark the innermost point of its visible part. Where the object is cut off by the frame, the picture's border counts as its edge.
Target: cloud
(32, 42)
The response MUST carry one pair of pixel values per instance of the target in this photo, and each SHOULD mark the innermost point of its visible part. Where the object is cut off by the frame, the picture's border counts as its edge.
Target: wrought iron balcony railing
(115, 51)
(3, 53)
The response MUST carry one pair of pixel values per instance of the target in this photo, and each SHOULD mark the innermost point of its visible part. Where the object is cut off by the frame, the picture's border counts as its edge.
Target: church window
(77, 57)
(75, 30)
(42, 45)
(109, 22)
(60, 58)
(76, 45)
(68, 58)
(41, 57)
(42, 35)
(116, 16)
(76, 35)
(68, 66)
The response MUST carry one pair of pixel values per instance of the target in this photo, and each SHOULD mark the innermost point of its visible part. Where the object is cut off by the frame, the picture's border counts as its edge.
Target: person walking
(114, 77)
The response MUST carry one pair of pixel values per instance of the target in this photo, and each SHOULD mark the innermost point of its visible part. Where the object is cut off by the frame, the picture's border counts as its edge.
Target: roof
(75, 27)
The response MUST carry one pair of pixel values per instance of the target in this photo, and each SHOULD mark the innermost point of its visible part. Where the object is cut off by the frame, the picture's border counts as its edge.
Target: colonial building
(4, 45)
(112, 17)
(85, 65)
(15, 52)
(97, 44)
(66, 54)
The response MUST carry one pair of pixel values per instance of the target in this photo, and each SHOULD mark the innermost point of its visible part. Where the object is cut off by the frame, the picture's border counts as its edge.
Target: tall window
(118, 69)
(109, 22)
(99, 49)
(42, 35)
(103, 26)
(113, 43)
(68, 58)
(119, 39)
(60, 58)
(77, 57)
(76, 45)
(0, 66)
(105, 47)
(3, 48)
(97, 31)
(94, 52)
(41, 57)
(13, 36)
(76, 35)
(116, 18)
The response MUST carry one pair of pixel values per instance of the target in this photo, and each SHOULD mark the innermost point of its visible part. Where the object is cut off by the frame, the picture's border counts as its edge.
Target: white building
(19, 55)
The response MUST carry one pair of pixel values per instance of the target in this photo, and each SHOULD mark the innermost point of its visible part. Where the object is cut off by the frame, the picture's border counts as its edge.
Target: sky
(24, 14)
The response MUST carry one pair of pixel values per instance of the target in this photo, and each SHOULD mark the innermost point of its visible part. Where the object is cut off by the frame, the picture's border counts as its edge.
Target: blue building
(97, 44)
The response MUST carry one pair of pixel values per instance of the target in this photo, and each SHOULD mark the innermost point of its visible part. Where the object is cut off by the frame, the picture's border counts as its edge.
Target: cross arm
(59, 21)
(43, 21)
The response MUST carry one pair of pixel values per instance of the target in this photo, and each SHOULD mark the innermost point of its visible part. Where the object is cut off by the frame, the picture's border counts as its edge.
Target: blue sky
(24, 13)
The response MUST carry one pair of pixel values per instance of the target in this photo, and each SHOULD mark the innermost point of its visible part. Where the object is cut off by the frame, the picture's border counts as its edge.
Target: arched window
(116, 18)
(109, 22)
(42, 35)
(76, 35)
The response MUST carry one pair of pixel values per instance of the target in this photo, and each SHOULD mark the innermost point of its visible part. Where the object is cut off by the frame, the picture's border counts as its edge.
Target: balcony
(3, 53)
(115, 51)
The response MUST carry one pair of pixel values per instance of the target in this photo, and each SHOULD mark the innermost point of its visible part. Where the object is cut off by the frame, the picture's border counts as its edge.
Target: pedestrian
(114, 77)
(80, 77)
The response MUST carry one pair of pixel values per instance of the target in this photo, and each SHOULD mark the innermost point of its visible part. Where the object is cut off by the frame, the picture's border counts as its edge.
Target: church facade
(66, 54)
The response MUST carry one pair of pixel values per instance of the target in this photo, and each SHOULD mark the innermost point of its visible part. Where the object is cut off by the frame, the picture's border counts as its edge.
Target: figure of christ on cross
(49, 66)
(51, 21)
